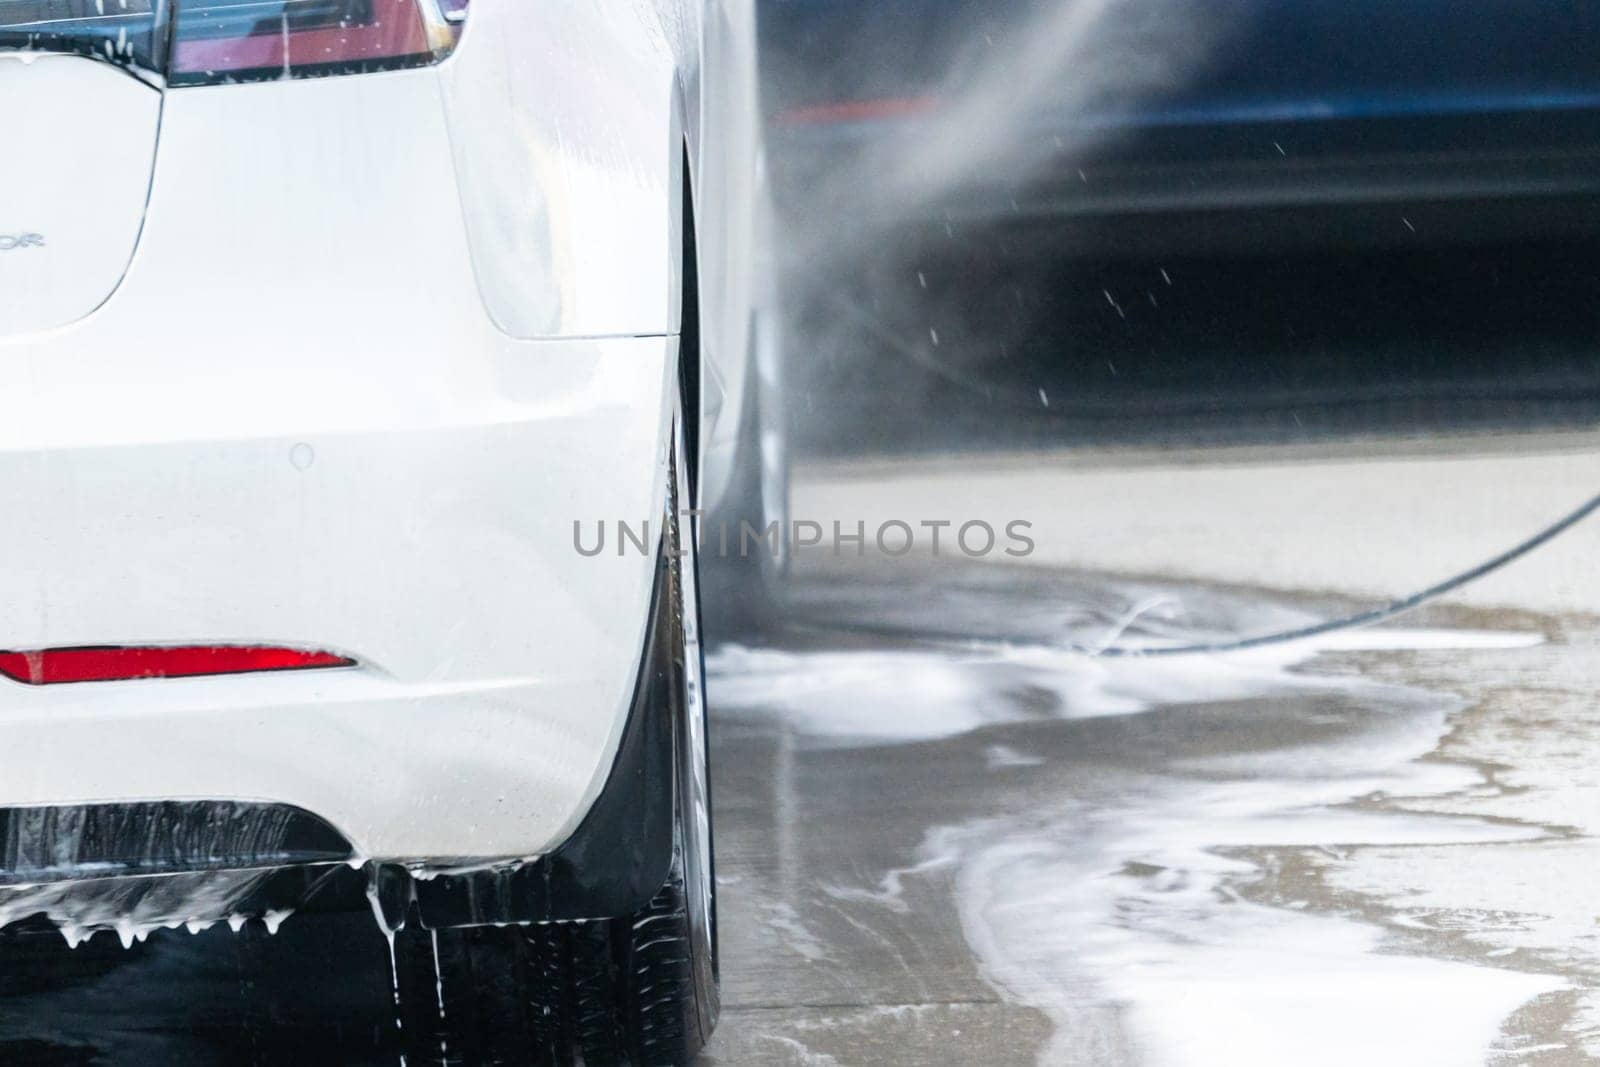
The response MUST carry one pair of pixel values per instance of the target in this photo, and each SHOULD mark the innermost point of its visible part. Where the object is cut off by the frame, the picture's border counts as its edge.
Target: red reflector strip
(857, 111)
(54, 666)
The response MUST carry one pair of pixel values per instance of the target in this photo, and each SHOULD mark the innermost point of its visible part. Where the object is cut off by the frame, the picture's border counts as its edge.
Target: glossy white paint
(78, 139)
(733, 208)
(569, 124)
(567, 148)
(352, 393)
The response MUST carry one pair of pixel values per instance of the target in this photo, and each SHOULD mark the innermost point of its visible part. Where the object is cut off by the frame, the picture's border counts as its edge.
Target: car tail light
(223, 40)
(199, 42)
(54, 666)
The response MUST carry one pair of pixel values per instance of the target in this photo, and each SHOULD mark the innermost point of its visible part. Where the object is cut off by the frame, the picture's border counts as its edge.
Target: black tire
(639, 990)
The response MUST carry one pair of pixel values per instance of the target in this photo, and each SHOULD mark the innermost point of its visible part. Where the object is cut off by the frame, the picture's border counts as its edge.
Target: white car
(330, 331)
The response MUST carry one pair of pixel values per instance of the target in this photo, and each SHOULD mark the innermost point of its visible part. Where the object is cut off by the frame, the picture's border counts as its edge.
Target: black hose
(1375, 615)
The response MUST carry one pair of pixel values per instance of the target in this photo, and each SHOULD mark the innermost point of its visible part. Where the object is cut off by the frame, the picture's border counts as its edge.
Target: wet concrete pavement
(956, 842)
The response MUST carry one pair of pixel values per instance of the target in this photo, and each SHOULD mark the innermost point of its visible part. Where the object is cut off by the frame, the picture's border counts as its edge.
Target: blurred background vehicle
(1154, 126)
(1076, 210)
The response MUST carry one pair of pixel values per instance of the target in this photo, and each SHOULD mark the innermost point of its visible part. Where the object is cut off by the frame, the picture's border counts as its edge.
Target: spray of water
(1013, 97)
(881, 224)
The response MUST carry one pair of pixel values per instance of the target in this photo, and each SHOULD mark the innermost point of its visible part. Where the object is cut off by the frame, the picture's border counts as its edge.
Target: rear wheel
(637, 990)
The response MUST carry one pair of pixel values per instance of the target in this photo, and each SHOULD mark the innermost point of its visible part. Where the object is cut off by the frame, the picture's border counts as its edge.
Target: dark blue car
(1149, 125)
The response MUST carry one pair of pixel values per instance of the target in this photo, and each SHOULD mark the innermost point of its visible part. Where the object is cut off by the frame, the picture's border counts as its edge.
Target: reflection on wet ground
(943, 839)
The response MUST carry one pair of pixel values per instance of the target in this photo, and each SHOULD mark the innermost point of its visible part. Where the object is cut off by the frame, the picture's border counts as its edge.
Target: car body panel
(566, 147)
(732, 225)
(300, 420)
(78, 150)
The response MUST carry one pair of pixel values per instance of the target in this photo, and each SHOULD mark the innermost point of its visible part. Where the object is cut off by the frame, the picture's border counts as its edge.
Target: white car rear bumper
(496, 662)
